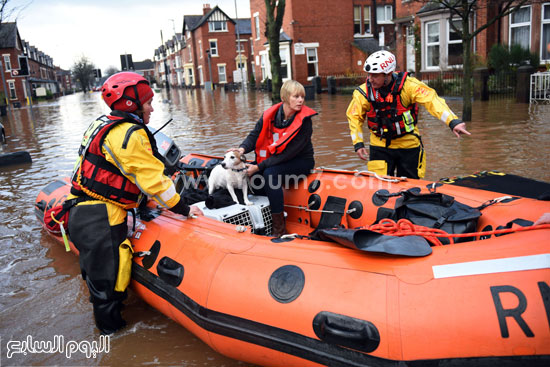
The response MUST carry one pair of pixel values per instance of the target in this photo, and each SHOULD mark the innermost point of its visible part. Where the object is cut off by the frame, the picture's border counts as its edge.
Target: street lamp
(239, 45)
(210, 84)
(164, 62)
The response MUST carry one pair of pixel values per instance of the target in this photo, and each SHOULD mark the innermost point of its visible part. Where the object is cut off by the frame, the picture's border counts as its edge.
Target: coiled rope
(404, 227)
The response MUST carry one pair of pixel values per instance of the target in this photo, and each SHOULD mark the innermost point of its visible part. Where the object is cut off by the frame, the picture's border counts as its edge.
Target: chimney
(205, 9)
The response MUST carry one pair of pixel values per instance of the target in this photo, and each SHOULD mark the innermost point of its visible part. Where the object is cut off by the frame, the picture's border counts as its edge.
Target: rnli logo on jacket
(388, 62)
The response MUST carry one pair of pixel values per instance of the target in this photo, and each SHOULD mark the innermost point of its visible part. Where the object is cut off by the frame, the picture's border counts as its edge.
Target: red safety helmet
(126, 91)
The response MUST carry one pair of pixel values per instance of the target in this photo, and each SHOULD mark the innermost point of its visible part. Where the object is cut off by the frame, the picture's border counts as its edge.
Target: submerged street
(41, 291)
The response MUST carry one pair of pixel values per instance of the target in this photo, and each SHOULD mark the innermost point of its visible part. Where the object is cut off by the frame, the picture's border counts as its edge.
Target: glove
(181, 207)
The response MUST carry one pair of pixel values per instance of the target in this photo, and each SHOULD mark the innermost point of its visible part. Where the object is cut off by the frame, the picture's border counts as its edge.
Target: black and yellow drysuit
(118, 164)
(401, 148)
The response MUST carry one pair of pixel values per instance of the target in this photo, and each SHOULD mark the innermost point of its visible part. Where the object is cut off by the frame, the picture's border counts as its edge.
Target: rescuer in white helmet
(388, 101)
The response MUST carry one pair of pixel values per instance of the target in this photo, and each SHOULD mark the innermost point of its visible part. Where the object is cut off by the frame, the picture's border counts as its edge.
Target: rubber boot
(279, 227)
(107, 316)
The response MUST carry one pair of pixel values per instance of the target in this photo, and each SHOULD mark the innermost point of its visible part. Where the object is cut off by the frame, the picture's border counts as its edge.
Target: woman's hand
(194, 211)
(240, 150)
(252, 169)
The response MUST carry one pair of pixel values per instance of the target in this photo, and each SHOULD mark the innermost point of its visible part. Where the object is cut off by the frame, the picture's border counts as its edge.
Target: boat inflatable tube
(370, 241)
(10, 159)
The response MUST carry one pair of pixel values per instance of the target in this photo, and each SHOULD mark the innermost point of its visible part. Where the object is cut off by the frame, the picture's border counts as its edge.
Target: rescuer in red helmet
(118, 164)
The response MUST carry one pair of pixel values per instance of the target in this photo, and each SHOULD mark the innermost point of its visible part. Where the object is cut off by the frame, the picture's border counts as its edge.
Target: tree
(465, 10)
(83, 72)
(8, 12)
(275, 10)
(111, 70)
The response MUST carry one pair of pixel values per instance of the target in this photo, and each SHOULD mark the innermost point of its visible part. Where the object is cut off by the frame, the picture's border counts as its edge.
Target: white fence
(540, 87)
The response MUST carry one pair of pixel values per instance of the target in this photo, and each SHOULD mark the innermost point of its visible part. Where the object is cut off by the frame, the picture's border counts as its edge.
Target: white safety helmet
(380, 62)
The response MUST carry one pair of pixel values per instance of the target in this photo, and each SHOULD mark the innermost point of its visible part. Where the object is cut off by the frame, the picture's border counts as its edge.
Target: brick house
(64, 81)
(439, 48)
(42, 75)
(212, 36)
(11, 46)
(145, 68)
(208, 37)
(42, 72)
(321, 38)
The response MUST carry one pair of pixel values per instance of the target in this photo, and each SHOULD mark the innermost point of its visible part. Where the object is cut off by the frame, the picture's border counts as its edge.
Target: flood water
(41, 292)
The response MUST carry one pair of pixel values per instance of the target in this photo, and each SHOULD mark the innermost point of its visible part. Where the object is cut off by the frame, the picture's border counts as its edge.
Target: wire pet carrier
(256, 216)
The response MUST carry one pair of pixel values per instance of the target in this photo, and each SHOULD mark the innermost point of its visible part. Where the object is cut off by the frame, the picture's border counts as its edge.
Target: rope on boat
(404, 227)
(365, 173)
(376, 175)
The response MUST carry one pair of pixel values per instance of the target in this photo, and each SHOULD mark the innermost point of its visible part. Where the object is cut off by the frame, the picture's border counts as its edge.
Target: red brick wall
(18, 81)
(227, 50)
(328, 23)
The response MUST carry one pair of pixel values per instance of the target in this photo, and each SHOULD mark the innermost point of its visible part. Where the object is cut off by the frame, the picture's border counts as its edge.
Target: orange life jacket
(273, 140)
(388, 118)
(95, 176)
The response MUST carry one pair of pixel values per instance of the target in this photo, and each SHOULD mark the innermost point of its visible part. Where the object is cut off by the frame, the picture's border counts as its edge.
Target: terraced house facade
(26, 71)
(322, 38)
(211, 47)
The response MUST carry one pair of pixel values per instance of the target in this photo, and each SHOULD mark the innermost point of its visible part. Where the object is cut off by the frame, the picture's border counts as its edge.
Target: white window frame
(284, 49)
(520, 25)
(200, 49)
(212, 26)
(388, 14)
(190, 54)
(189, 77)
(201, 75)
(544, 22)
(215, 48)
(12, 89)
(315, 62)
(243, 46)
(449, 42)
(365, 20)
(284, 63)
(263, 65)
(7, 62)
(256, 17)
(222, 71)
(357, 18)
(427, 44)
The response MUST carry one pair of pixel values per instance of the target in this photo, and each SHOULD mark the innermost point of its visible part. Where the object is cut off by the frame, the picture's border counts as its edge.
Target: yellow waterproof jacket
(414, 91)
(133, 155)
(129, 149)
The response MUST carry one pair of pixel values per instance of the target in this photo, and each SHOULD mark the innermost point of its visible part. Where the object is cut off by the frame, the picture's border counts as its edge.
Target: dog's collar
(236, 170)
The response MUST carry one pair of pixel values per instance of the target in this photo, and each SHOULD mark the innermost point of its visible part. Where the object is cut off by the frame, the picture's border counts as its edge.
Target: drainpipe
(4, 84)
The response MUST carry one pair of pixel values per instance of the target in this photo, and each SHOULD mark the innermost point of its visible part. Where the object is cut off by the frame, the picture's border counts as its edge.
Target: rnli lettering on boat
(498, 292)
(516, 312)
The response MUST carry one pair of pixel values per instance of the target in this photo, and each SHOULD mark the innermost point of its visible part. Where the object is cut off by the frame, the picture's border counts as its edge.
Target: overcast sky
(102, 30)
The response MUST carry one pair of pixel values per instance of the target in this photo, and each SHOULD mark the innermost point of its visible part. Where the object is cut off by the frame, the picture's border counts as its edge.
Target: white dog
(230, 174)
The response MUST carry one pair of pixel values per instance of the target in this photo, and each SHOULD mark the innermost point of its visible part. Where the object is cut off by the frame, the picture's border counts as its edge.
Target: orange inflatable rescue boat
(362, 282)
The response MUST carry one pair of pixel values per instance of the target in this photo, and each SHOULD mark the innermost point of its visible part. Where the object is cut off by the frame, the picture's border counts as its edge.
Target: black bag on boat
(437, 210)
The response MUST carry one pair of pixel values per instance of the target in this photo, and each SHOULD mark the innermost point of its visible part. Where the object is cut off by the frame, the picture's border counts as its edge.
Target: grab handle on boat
(346, 331)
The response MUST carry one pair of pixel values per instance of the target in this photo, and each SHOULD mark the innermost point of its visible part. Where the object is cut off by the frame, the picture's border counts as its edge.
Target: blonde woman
(281, 140)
